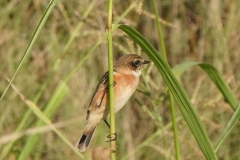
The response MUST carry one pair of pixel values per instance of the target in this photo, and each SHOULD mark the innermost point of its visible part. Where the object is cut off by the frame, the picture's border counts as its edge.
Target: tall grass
(70, 52)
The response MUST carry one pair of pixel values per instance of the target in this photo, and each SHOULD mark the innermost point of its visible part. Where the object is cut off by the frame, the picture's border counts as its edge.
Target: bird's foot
(112, 137)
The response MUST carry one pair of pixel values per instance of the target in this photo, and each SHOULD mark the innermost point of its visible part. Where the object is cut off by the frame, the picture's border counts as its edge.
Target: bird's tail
(85, 138)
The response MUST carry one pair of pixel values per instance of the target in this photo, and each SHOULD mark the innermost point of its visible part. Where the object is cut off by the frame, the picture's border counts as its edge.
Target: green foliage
(178, 93)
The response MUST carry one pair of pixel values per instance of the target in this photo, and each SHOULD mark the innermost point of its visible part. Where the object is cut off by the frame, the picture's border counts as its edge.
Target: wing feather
(103, 82)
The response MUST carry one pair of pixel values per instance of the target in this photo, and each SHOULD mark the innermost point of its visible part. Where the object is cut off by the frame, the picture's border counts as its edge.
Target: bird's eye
(137, 63)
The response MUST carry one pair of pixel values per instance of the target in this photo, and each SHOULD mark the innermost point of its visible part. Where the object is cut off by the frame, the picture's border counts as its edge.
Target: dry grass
(194, 30)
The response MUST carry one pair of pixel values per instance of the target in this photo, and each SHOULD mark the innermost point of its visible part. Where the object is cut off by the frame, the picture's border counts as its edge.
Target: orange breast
(125, 86)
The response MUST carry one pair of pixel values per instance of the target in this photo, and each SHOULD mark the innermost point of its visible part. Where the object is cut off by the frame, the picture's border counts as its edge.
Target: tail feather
(85, 140)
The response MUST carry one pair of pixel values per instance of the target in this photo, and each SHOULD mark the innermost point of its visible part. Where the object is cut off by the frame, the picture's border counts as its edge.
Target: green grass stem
(171, 104)
(111, 81)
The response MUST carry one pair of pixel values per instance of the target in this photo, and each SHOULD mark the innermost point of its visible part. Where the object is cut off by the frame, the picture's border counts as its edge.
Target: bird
(126, 73)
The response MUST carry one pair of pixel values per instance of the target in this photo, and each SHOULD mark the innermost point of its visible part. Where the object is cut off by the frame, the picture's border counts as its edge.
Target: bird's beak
(145, 62)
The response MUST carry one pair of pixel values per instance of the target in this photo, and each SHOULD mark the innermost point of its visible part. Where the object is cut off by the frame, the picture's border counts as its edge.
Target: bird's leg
(112, 138)
(106, 122)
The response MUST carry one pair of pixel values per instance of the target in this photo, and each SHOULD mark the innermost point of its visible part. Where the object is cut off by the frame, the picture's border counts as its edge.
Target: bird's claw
(112, 137)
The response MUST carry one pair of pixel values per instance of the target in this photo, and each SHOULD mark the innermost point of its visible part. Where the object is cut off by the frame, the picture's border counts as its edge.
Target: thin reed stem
(111, 82)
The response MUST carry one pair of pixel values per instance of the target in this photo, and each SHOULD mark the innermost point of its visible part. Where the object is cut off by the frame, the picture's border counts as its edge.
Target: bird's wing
(102, 83)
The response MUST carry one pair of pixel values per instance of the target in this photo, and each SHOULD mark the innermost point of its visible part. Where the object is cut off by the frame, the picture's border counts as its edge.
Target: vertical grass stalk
(111, 89)
(173, 114)
(160, 34)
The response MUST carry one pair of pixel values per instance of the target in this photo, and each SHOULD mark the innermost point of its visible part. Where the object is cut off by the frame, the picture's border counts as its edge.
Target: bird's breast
(125, 86)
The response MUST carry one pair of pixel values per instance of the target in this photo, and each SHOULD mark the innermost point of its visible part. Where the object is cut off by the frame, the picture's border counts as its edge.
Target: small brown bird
(126, 77)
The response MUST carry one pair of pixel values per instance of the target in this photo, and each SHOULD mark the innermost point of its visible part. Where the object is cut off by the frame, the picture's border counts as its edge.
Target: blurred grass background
(206, 31)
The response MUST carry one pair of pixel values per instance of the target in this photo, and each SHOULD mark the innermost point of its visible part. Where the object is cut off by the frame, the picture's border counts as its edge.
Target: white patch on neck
(136, 73)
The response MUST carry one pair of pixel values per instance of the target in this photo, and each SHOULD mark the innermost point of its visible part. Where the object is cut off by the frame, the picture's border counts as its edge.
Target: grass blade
(223, 88)
(229, 127)
(220, 83)
(178, 93)
(215, 76)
